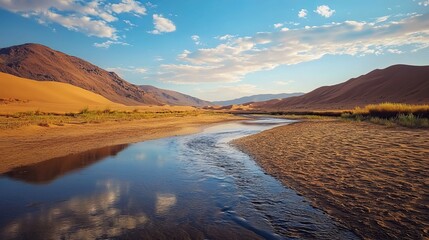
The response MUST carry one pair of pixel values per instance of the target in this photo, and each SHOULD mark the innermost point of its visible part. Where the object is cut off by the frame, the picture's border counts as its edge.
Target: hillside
(173, 98)
(21, 94)
(38, 62)
(256, 98)
(398, 83)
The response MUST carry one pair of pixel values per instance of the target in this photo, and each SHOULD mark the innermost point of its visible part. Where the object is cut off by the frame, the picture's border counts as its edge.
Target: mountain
(21, 94)
(173, 98)
(38, 62)
(256, 98)
(398, 83)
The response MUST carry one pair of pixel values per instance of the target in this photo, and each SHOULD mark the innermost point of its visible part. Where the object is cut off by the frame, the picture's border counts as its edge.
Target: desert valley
(86, 153)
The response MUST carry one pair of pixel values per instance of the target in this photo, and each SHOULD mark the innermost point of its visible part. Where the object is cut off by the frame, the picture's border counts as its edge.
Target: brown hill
(398, 83)
(174, 98)
(41, 63)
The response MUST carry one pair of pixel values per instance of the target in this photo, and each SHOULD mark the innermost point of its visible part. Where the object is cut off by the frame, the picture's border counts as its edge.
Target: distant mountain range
(173, 98)
(256, 98)
(398, 83)
(38, 62)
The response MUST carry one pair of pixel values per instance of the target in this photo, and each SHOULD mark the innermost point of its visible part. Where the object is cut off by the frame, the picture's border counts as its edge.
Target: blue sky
(223, 49)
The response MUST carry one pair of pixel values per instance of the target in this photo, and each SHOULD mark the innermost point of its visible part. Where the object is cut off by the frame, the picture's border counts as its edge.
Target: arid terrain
(397, 83)
(132, 119)
(31, 144)
(39, 62)
(372, 178)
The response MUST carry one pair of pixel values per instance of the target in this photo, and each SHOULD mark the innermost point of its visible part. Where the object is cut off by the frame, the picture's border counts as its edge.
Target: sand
(373, 179)
(21, 95)
(33, 144)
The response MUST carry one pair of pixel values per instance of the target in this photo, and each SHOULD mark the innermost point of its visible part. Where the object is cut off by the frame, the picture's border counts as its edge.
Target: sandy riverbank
(373, 179)
(32, 144)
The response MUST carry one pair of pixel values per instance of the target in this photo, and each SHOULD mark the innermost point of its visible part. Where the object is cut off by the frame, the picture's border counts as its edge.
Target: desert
(133, 119)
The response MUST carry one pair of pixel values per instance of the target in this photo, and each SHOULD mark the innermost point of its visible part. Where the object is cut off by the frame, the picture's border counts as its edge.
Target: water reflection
(188, 187)
(47, 171)
(164, 201)
(89, 217)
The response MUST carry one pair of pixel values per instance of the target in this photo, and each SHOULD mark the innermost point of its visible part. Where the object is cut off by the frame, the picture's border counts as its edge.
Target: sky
(225, 49)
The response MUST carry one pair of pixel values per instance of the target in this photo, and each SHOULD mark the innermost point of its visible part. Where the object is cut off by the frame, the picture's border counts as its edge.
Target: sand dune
(20, 94)
(398, 83)
(38, 62)
(372, 178)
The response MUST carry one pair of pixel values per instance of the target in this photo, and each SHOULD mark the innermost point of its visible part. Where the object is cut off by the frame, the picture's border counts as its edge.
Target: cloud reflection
(79, 218)
(164, 201)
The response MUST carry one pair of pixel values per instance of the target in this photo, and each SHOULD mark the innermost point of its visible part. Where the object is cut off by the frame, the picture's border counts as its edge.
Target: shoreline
(34, 144)
(343, 168)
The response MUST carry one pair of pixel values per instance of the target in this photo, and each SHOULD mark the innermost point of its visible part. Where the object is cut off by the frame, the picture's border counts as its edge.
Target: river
(187, 187)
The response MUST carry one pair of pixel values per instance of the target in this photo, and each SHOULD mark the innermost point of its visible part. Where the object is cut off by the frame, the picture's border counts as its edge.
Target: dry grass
(392, 114)
(85, 115)
(388, 110)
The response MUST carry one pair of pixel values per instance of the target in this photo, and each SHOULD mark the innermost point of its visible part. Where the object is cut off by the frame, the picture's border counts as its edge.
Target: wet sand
(373, 179)
(33, 144)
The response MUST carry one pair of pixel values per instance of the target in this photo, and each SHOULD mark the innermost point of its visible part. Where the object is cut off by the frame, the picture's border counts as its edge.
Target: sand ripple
(373, 179)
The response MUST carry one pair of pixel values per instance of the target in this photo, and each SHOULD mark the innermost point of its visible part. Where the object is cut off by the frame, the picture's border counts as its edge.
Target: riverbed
(186, 187)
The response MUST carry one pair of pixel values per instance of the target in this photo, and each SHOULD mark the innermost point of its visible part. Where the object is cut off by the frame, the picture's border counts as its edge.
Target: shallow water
(187, 187)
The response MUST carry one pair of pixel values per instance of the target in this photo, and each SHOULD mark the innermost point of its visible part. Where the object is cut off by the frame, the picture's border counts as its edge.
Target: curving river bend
(187, 187)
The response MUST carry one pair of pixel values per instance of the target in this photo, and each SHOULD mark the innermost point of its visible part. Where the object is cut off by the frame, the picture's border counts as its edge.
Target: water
(188, 187)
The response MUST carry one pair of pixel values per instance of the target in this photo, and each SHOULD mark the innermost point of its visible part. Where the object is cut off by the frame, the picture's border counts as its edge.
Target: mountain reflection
(49, 170)
(79, 218)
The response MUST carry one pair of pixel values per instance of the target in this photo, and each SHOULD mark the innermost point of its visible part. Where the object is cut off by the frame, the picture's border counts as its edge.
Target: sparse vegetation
(391, 114)
(85, 116)
(389, 110)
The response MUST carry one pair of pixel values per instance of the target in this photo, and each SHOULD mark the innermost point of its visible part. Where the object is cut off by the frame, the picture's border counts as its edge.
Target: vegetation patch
(392, 114)
(85, 116)
(389, 110)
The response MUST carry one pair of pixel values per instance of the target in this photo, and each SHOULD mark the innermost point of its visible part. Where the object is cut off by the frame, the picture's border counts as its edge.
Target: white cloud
(128, 22)
(140, 70)
(357, 26)
(122, 70)
(91, 17)
(82, 24)
(108, 43)
(231, 61)
(129, 6)
(395, 51)
(285, 29)
(162, 25)
(196, 39)
(151, 5)
(302, 13)
(225, 37)
(324, 11)
(424, 3)
(159, 58)
(278, 25)
(382, 19)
